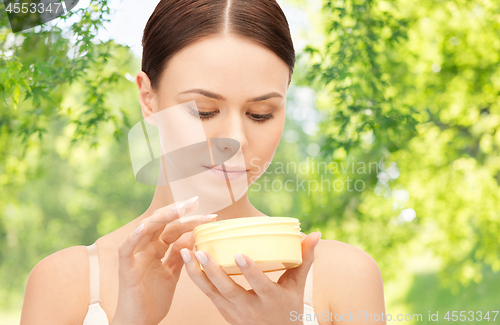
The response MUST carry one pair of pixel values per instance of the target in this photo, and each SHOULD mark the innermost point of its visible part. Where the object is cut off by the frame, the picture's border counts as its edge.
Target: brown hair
(175, 24)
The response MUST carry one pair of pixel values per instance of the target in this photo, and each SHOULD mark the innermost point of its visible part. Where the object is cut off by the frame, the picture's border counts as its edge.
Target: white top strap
(308, 291)
(94, 274)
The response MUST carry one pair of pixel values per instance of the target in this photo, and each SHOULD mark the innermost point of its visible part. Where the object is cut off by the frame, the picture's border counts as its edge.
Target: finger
(201, 280)
(169, 213)
(150, 225)
(155, 224)
(171, 233)
(127, 247)
(153, 227)
(174, 230)
(173, 260)
(224, 284)
(297, 276)
(261, 284)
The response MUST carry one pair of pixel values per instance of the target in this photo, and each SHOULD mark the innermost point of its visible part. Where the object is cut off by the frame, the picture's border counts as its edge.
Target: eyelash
(205, 116)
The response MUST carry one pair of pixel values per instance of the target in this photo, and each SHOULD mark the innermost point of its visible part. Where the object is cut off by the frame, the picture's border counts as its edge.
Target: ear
(146, 96)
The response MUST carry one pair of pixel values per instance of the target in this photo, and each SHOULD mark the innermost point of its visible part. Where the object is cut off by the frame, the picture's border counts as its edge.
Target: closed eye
(204, 116)
(260, 118)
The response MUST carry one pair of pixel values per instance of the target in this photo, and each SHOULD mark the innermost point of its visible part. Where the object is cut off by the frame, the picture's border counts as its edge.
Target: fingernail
(201, 257)
(177, 207)
(139, 229)
(186, 256)
(318, 239)
(191, 201)
(209, 217)
(240, 260)
(198, 217)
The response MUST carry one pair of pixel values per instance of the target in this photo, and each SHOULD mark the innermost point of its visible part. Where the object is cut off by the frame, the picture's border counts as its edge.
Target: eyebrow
(212, 95)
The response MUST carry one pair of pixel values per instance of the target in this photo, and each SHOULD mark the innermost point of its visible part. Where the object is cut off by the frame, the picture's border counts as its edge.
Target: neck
(242, 208)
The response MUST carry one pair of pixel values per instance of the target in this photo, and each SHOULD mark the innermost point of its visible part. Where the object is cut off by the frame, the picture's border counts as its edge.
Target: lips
(231, 172)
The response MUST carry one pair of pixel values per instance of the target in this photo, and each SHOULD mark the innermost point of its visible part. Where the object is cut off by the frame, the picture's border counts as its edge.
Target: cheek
(264, 143)
(270, 135)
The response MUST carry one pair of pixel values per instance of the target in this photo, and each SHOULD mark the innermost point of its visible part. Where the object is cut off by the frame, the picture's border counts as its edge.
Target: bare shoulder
(352, 279)
(341, 258)
(57, 289)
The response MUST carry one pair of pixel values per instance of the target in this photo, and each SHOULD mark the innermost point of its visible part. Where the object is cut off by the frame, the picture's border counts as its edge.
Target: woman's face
(240, 92)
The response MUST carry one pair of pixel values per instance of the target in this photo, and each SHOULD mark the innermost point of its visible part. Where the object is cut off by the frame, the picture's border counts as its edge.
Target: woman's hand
(267, 302)
(147, 280)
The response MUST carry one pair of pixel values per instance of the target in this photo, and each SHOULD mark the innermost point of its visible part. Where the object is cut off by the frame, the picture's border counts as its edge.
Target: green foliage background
(411, 89)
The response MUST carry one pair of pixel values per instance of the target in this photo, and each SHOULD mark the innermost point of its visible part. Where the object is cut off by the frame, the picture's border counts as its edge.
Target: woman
(235, 59)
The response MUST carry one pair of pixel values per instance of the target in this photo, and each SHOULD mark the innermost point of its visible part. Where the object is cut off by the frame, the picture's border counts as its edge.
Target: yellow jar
(274, 243)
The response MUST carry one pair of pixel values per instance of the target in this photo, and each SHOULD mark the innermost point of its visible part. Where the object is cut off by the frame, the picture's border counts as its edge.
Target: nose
(223, 149)
(227, 144)
(231, 134)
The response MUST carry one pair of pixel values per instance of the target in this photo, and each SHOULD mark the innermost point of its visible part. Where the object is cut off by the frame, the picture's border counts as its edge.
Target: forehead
(227, 64)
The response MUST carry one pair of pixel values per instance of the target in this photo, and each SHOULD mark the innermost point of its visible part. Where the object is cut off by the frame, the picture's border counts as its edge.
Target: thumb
(297, 276)
(174, 259)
